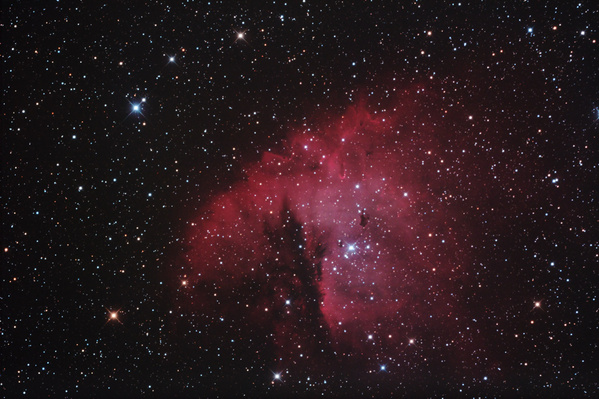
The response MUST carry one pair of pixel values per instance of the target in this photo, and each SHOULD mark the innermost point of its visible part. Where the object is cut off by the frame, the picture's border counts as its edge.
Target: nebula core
(342, 241)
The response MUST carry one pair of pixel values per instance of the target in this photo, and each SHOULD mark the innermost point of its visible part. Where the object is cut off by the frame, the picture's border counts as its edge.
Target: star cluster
(299, 200)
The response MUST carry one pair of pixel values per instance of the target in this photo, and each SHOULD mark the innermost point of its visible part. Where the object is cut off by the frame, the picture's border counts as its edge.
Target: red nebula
(341, 230)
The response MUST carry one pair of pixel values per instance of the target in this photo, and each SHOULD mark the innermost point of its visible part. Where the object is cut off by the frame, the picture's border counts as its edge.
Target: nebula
(340, 240)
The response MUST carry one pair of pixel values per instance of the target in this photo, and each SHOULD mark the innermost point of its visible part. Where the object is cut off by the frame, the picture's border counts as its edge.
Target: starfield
(300, 199)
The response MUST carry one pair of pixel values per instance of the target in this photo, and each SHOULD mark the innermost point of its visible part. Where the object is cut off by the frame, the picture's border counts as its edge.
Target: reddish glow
(327, 219)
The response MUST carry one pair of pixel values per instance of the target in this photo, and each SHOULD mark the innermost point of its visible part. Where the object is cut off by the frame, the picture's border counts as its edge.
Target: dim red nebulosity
(340, 240)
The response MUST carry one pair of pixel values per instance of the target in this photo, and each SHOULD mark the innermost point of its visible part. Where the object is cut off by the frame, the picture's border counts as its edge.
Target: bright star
(240, 36)
(276, 377)
(537, 305)
(113, 315)
(136, 107)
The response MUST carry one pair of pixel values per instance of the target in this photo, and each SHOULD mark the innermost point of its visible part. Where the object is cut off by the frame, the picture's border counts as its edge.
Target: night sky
(353, 199)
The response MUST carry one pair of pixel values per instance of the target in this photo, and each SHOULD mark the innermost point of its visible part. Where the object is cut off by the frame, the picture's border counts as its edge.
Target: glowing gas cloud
(343, 235)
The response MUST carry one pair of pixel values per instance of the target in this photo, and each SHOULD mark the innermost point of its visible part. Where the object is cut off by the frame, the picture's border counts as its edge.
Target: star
(136, 107)
(276, 377)
(113, 316)
(240, 36)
